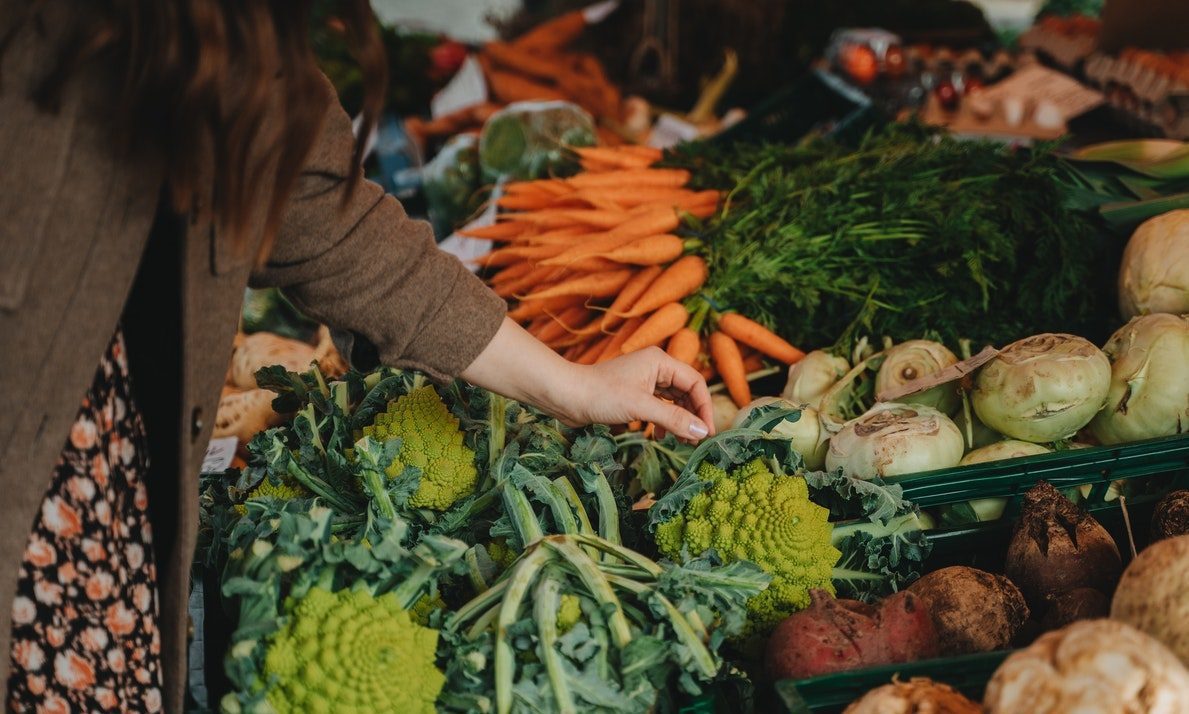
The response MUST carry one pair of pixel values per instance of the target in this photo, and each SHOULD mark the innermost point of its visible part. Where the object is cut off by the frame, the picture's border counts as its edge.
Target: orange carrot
(512, 87)
(537, 277)
(701, 210)
(753, 362)
(647, 223)
(635, 425)
(524, 202)
(588, 284)
(627, 197)
(724, 353)
(517, 253)
(631, 292)
(684, 346)
(497, 231)
(556, 235)
(652, 250)
(536, 308)
(511, 272)
(518, 60)
(596, 348)
(614, 346)
(561, 217)
(594, 265)
(614, 157)
(640, 150)
(560, 324)
(660, 326)
(553, 34)
(573, 351)
(672, 178)
(755, 335)
(679, 281)
(540, 187)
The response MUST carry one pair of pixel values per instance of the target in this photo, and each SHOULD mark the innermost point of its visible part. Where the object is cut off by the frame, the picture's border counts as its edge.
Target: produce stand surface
(833, 692)
(984, 545)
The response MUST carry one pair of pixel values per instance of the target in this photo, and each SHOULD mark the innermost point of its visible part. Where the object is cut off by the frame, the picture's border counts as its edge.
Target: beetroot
(839, 635)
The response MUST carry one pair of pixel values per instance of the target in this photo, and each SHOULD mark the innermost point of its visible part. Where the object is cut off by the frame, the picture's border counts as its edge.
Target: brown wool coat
(75, 221)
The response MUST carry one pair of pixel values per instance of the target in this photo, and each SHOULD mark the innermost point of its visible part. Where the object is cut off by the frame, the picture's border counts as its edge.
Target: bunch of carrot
(593, 268)
(538, 66)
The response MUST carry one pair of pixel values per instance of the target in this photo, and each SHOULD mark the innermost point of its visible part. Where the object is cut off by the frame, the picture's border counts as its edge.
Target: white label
(219, 454)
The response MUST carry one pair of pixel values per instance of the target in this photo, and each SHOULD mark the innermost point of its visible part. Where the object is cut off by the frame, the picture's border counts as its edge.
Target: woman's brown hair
(199, 79)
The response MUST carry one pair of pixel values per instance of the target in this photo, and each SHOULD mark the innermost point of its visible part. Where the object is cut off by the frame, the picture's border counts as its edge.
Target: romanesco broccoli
(430, 441)
(425, 606)
(569, 613)
(351, 651)
(286, 490)
(752, 514)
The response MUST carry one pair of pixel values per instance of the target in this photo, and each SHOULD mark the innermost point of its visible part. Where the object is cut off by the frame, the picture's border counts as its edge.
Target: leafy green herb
(909, 233)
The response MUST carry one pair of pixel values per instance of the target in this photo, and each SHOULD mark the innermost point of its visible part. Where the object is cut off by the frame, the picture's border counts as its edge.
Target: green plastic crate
(984, 545)
(833, 692)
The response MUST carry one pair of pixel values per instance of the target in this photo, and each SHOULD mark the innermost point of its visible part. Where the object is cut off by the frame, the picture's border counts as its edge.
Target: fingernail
(697, 429)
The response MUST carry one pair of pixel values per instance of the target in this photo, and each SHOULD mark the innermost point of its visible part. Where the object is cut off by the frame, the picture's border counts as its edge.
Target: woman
(157, 157)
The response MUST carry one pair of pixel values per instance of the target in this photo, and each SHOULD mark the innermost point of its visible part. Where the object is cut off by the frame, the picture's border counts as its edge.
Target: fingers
(672, 418)
(685, 385)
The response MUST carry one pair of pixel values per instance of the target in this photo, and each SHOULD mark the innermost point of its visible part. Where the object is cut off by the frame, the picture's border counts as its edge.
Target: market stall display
(951, 390)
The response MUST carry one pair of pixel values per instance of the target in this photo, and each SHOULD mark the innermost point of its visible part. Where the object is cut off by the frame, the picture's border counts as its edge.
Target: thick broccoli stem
(608, 509)
(319, 487)
(520, 511)
(588, 571)
(562, 484)
(523, 574)
(498, 415)
(547, 603)
(618, 551)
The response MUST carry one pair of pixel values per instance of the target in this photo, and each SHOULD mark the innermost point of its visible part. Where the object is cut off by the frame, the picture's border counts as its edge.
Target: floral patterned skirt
(84, 634)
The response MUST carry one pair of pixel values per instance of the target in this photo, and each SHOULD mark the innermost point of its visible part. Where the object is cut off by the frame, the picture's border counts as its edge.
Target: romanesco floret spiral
(753, 514)
(286, 490)
(352, 652)
(430, 441)
(569, 613)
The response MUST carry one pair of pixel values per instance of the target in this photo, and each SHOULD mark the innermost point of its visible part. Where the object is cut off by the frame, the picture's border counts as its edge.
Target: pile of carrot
(539, 66)
(593, 267)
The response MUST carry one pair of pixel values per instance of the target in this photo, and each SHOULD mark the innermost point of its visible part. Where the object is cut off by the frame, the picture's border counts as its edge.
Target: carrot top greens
(907, 234)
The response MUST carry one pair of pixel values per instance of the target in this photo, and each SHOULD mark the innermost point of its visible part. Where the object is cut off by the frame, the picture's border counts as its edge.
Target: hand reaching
(647, 385)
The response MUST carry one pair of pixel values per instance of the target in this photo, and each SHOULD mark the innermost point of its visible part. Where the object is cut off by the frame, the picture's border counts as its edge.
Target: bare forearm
(517, 365)
(617, 391)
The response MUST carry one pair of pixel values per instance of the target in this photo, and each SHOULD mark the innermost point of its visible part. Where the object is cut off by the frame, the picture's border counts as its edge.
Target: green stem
(547, 604)
(596, 583)
(522, 577)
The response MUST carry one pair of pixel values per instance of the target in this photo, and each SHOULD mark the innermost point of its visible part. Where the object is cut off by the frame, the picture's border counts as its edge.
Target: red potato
(840, 635)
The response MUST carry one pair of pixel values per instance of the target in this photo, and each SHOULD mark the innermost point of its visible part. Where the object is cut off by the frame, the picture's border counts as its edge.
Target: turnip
(919, 695)
(973, 610)
(1090, 667)
(1058, 547)
(1153, 594)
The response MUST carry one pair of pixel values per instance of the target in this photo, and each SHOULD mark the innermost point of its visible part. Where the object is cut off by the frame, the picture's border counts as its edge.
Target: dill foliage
(910, 233)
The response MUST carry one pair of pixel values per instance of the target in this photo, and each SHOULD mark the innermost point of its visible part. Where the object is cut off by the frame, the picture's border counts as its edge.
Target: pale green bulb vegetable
(812, 376)
(1149, 388)
(894, 440)
(804, 435)
(1154, 270)
(912, 360)
(1042, 388)
(988, 509)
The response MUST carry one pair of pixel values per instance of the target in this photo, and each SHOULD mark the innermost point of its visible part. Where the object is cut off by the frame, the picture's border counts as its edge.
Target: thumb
(672, 418)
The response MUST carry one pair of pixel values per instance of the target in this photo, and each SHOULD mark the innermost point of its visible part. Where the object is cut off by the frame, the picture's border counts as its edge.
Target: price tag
(219, 454)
